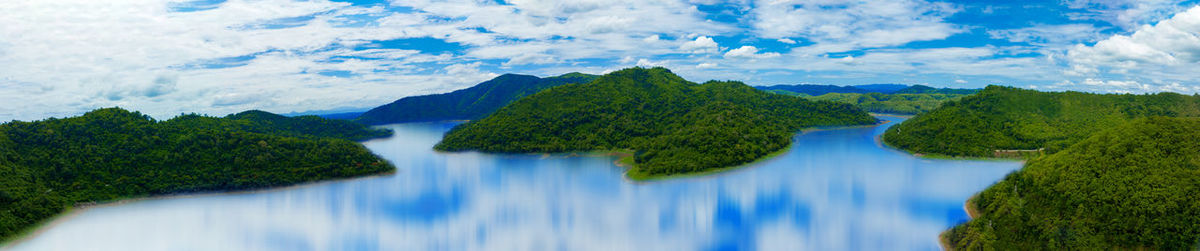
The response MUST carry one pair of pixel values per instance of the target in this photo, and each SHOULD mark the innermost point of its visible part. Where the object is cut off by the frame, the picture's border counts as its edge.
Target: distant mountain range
(471, 103)
(818, 90)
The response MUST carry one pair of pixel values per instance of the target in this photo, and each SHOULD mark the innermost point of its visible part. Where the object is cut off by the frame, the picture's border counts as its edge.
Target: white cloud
(787, 41)
(749, 52)
(701, 45)
(706, 65)
(1060, 35)
(649, 63)
(847, 25)
(1125, 13)
(1167, 52)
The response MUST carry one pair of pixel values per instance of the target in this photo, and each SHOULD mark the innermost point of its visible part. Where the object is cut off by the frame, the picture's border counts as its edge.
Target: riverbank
(972, 213)
(79, 208)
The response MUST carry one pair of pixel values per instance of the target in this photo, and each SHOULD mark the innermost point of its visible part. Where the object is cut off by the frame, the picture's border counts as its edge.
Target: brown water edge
(972, 213)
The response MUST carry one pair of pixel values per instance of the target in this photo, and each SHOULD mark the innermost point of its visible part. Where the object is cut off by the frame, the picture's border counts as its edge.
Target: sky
(164, 58)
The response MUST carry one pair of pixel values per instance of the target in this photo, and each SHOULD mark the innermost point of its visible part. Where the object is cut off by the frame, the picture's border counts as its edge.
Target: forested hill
(673, 126)
(471, 103)
(905, 103)
(1006, 118)
(47, 166)
(308, 126)
(921, 89)
(1132, 187)
(814, 90)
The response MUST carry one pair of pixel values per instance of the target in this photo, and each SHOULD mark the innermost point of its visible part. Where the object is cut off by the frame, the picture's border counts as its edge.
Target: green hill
(907, 104)
(1132, 186)
(1006, 118)
(921, 89)
(672, 125)
(907, 100)
(108, 154)
(307, 126)
(471, 103)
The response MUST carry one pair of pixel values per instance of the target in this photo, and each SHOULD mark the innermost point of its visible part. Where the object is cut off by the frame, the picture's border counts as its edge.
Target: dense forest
(1132, 186)
(906, 104)
(471, 103)
(907, 101)
(812, 90)
(673, 126)
(50, 165)
(1006, 118)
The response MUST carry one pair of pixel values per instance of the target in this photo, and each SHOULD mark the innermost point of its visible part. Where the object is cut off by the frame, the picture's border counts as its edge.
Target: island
(1132, 186)
(471, 103)
(669, 125)
(1011, 122)
(50, 166)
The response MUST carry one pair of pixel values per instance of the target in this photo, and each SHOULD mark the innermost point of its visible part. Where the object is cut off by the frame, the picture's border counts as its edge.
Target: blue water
(834, 190)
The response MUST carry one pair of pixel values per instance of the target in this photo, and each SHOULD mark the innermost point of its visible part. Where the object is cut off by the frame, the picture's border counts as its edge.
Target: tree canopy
(1127, 187)
(1006, 118)
(107, 154)
(471, 103)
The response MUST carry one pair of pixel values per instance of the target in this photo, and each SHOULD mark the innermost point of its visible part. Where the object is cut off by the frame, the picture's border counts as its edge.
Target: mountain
(308, 126)
(471, 103)
(343, 113)
(921, 89)
(903, 104)
(1006, 118)
(882, 88)
(1132, 187)
(814, 90)
(906, 100)
(108, 154)
(673, 126)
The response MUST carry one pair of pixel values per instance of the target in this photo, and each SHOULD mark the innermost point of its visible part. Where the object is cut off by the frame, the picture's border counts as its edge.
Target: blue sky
(62, 58)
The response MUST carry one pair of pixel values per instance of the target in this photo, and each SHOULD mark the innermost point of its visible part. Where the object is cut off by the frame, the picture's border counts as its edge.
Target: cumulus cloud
(702, 44)
(1168, 51)
(846, 25)
(1172, 41)
(749, 52)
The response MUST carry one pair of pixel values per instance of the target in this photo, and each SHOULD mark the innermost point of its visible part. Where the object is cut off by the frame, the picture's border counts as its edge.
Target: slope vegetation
(1006, 118)
(673, 126)
(471, 103)
(1129, 187)
(107, 154)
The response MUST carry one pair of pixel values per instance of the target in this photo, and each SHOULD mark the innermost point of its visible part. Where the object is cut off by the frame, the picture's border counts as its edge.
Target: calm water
(835, 190)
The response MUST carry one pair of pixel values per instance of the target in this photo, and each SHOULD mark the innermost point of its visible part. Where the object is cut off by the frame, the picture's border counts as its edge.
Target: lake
(836, 189)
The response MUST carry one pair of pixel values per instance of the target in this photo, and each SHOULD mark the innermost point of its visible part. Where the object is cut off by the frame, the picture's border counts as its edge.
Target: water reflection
(835, 190)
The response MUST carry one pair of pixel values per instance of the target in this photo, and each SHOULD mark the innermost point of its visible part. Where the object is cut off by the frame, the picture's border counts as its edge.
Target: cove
(835, 189)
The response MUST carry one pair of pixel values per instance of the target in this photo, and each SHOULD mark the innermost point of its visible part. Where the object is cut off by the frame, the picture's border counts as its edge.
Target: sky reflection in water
(835, 190)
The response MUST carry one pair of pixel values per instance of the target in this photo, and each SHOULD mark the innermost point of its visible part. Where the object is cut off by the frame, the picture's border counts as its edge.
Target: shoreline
(77, 209)
(972, 213)
(716, 172)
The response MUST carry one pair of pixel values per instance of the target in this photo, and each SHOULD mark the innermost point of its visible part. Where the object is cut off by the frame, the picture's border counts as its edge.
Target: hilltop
(1006, 118)
(471, 103)
(110, 154)
(1132, 186)
(673, 126)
